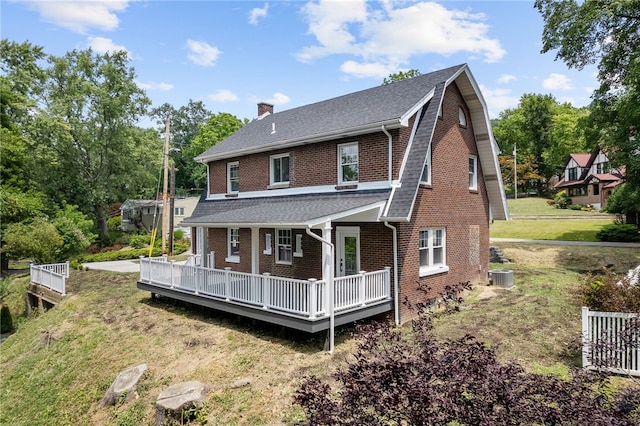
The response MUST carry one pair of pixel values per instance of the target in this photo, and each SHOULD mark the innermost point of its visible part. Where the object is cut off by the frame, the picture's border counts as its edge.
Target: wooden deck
(298, 304)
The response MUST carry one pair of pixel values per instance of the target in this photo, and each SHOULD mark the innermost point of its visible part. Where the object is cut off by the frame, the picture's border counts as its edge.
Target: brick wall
(448, 203)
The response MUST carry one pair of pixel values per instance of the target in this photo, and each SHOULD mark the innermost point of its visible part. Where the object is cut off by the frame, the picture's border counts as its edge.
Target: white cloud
(557, 82)
(256, 13)
(201, 53)
(79, 16)
(152, 85)
(377, 70)
(498, 100)
(104, 45)
(506, 78)
(278, 99)
(223, 95)
(392, 35)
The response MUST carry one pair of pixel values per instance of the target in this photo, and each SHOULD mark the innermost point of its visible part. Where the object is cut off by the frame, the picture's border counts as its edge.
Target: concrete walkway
(566, 243)
(115, 266)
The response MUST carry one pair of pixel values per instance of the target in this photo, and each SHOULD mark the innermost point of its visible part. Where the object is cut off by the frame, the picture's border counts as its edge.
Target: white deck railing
(52, 276)
(304, 298)
(609, 342)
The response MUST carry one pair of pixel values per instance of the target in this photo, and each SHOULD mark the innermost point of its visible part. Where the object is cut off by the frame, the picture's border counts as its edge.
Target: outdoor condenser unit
(501, 277)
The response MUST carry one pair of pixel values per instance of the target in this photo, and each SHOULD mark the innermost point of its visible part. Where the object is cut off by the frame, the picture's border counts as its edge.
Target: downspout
(329, 288)
(396, 292)
(390, 167)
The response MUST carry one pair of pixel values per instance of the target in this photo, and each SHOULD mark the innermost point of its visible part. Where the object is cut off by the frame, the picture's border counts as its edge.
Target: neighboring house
(588, 179)
(400, 181)
(147, 214)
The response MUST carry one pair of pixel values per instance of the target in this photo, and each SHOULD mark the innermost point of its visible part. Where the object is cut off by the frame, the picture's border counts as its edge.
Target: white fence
(304, 298)
(611, 341)
(52, 276)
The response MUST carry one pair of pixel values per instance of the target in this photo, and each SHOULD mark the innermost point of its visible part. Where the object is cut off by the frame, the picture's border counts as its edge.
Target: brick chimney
(263, 108)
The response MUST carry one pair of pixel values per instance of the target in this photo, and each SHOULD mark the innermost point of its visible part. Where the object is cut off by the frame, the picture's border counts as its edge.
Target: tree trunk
(101, 221)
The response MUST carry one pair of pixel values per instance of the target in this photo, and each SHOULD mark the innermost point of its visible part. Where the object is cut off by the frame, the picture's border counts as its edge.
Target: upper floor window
(432, 251)
(233, 245)
(178, 211)
(283, 246)
(233, 177)
(462, 119)
(573, 173)
(426, 170)
(473, 172)
(279, 169)
(348, 163)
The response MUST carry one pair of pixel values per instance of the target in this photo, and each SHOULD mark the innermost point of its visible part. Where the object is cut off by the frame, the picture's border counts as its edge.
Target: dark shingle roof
(286, 210)
(375, 106)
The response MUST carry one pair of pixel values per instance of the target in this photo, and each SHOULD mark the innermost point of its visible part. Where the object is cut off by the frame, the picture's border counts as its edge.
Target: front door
(347, 251)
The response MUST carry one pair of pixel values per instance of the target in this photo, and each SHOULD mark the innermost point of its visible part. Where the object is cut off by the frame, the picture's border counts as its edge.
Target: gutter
(396, 289)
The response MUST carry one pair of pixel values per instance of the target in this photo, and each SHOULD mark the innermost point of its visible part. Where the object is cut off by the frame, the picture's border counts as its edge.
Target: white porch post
(255, 250)
(327, 276)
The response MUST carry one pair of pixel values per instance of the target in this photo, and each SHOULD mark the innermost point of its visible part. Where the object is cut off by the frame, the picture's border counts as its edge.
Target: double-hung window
(233, 245)
(233, 177)
(473, 172)
(426, 170)
(348, 163)
(573, 173)
(432, 251)
(283, 246)
(279, 170)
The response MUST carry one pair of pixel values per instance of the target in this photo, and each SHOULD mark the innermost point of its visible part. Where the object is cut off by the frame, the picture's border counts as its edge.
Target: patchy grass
(58, 365)
(544, 229)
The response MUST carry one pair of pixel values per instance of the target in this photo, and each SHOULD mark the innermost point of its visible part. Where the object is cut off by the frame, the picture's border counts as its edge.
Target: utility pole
(165, 189)
(515, 172)
(172, 196)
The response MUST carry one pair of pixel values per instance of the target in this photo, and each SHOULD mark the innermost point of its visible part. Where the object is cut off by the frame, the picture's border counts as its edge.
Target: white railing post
(171, 276)
(586, 340)
(211, 260)
(67, 269)
(361, 285)
(227, 282)
(313, 299)
(387, 281)
(266, 290)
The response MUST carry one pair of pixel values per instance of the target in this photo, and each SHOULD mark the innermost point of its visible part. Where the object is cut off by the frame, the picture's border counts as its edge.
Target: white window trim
(298, 246)
(474, 185)
(267, 244)
(283, 262)
(427, 162)
(229, 166)
(462, 117)
(341, 180)
(232, 258)
(441, 267)
(272, 182)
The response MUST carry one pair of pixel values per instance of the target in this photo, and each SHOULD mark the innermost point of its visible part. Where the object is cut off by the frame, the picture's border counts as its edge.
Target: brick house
(588, 178)
(400, 180)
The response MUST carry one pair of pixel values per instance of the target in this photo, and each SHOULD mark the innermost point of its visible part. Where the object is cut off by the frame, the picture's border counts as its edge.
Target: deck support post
(266, 291)
(227, 283)
(362, 287)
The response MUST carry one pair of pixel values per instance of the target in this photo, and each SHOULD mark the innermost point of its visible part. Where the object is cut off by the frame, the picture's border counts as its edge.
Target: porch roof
(290, 211)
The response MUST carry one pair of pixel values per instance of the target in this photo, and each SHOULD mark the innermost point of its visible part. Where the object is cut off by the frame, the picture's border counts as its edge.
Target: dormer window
(573, 173)
(462, 119)
(279, 170)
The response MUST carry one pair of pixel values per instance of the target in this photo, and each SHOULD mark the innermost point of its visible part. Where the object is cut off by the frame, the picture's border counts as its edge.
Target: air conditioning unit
(501, 277)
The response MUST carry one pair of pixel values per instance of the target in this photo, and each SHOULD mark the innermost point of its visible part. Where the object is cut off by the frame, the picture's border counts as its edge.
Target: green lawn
(548, 229)
(535, 206)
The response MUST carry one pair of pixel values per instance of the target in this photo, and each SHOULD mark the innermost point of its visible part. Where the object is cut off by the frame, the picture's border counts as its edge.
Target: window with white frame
(426, 170)
(178, 211)
(283, 246)
(279, 169)
(432, 251)
(233, 177)
(348, 163)
(473, 172)
(462, 118)
(233, 245)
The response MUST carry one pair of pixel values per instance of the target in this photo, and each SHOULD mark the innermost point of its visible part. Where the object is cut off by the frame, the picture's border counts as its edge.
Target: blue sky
(233, 54)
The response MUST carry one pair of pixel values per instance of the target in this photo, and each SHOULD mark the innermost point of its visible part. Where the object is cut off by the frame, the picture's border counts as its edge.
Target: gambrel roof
(368, 111)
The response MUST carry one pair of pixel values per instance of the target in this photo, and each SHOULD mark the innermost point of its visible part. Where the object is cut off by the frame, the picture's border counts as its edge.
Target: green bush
(109, 256)
(575, 206)
(178, 234)
(608, 292)
(6, 321)
(621, 232)
(139, 241)
(561, 201)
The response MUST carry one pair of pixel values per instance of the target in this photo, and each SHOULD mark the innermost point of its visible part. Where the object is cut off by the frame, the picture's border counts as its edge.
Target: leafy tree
(75, 229)
(625, 200)
(185, 125)
(88, 128)
(218, 127)
(603, 32)
(38, 240)
(401, 75)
